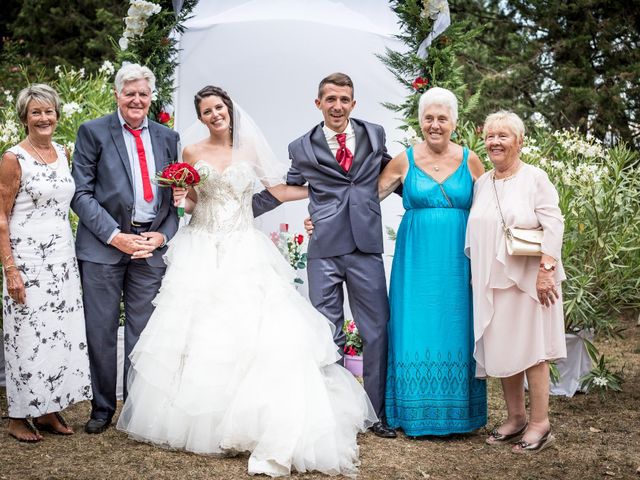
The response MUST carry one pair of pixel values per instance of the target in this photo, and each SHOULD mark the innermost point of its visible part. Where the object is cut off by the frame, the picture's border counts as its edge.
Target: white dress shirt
(330, 135)
(143, 211)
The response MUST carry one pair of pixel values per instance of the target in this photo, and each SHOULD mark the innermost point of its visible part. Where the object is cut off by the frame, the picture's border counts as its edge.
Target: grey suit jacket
(344, 207)
(104, 193)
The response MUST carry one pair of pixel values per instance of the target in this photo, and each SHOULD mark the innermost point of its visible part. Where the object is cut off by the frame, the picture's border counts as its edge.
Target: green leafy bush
(83, 97)
(599, 191)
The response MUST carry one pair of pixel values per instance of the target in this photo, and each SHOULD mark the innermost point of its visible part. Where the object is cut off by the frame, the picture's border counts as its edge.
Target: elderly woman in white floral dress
(517, 301)
(46, 358)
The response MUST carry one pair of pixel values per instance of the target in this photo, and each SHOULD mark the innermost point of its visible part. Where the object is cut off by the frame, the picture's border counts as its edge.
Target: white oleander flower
(8, 96)
(58, 70)
(539, 121)
(556, 164)
(107, 68)
(123, 43)
(411, 138)
(9, 132)
(600, 381)
(70, 108)
(530, 150)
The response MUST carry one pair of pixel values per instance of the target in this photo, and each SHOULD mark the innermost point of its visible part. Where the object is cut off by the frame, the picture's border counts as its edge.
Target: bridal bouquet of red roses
(180, 175)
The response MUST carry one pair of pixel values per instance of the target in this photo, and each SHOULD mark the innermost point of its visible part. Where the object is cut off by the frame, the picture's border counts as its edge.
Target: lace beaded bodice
(224, 199)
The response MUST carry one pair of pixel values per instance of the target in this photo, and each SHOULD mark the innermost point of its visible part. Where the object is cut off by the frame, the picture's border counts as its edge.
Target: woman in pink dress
(517, 300)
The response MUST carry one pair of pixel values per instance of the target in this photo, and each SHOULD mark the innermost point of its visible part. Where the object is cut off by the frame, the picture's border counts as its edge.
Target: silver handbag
(519, 241)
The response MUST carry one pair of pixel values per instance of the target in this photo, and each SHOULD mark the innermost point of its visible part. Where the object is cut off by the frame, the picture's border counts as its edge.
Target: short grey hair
(131, 72)
(38, 92)
(438, 96)
(509, 119)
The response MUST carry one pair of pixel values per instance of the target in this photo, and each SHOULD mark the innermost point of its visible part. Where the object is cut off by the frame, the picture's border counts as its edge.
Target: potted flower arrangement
(352, 348)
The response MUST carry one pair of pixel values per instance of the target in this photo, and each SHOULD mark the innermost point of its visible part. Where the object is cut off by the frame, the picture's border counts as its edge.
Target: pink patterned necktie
(343, 155)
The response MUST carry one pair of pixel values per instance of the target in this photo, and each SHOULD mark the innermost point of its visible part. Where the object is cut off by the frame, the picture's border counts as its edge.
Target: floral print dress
(45, 346)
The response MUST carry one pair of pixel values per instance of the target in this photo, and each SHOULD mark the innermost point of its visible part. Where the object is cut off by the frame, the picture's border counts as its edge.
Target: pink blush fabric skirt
(521, 334)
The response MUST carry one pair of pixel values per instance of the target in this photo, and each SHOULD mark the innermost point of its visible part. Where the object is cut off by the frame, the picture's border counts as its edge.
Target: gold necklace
(42, 160)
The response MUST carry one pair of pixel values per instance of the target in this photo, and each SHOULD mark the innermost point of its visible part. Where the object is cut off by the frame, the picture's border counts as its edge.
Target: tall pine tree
(440, 68)
(575, 63)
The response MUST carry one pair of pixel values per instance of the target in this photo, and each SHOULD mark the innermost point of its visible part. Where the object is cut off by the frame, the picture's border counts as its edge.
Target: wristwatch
(547, 267)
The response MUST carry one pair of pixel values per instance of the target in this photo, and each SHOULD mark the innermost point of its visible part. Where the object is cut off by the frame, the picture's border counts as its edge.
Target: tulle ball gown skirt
(234, 359)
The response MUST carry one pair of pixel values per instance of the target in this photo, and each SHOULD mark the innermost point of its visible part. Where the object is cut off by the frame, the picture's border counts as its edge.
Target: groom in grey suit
(341, 160)
(125, 223)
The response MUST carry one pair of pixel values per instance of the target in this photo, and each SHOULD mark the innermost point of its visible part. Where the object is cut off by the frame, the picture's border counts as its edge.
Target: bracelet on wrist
(547, 267)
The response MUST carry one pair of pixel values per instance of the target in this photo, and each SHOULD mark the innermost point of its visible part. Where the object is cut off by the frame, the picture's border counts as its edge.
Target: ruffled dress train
(234, 359)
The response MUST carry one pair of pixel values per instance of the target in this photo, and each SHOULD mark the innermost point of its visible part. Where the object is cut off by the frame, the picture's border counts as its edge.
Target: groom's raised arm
(294, 175)
(264, 202)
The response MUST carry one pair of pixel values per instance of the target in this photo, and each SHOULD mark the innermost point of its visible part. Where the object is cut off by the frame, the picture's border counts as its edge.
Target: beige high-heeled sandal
(497, 438)
(525, 447)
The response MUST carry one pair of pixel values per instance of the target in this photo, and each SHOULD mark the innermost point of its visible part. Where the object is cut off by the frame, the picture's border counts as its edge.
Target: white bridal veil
(249, 145)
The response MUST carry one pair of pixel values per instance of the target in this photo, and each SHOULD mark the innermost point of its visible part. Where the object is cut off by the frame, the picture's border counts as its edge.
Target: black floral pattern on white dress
(46, 357)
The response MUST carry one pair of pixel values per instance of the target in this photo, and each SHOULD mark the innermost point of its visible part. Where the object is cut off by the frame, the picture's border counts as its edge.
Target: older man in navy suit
(341, 160)
(125, 223)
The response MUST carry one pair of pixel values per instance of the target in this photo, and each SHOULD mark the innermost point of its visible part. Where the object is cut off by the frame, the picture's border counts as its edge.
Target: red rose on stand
(164, 117)
(290, 245)
(420, 83)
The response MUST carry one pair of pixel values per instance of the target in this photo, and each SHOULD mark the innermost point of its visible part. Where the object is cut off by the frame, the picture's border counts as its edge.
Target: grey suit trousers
(103, 287)
(363, 274)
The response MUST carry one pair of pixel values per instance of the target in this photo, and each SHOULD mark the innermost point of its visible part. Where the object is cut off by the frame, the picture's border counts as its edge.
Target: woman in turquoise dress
(431, 384)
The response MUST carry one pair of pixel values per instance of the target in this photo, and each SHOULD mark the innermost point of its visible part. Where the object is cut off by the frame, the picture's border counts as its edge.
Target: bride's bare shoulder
(191, 153)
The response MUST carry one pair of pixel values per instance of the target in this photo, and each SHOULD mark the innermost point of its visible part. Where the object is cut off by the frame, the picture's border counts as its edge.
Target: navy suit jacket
(344, 206)
(104, 188)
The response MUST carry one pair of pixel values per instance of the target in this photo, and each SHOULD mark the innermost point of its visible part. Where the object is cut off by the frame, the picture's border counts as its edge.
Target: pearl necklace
(509, 175)
(42, 160)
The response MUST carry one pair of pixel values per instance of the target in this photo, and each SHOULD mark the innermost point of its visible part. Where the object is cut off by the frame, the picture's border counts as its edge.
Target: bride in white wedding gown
(234, 359)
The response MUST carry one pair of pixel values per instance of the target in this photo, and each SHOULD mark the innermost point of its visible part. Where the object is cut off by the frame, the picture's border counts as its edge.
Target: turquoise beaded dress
(431, 386)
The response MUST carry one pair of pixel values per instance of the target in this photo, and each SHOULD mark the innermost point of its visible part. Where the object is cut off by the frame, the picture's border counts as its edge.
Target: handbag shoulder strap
(506, 229)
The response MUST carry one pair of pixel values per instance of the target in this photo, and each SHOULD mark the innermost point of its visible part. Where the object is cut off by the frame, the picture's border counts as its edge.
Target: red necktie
(142, 158)
(343, 155)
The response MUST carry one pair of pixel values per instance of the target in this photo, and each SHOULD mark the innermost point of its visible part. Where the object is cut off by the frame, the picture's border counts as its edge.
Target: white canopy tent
(270, 56)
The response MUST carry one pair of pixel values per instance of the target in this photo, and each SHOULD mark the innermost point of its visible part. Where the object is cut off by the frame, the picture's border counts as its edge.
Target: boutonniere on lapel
(180, 175)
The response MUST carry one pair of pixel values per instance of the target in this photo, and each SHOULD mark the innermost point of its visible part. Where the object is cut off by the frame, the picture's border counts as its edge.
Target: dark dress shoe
(97, 425)
(383, 430)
